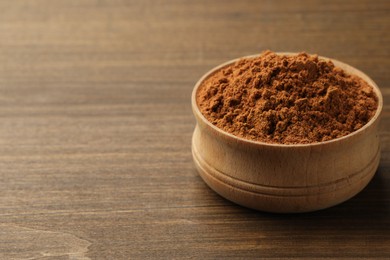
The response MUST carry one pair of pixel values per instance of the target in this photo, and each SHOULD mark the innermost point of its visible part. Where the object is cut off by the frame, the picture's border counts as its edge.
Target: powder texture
(286, 99)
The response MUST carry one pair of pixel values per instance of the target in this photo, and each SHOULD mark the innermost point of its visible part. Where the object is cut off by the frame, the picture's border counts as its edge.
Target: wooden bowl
(286, 178)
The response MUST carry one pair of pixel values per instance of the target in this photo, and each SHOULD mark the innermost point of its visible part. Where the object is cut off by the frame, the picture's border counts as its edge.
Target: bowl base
(284, 199)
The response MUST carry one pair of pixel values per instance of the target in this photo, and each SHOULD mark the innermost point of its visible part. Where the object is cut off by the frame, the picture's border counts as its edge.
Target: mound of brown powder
(286, 99)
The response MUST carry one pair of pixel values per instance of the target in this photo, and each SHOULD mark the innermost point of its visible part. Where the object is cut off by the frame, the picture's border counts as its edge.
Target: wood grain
(96, 124)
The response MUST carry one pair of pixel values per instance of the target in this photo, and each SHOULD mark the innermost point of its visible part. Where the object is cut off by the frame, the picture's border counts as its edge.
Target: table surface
(96, 125)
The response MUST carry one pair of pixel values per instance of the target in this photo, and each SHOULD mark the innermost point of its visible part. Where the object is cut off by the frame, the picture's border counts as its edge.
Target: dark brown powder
(286, 99)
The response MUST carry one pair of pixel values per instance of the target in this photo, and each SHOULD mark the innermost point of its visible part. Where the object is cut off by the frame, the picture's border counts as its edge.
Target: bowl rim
(346, 67)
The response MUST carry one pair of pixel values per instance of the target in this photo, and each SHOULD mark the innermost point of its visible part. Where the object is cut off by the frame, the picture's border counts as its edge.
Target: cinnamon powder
(286, 99)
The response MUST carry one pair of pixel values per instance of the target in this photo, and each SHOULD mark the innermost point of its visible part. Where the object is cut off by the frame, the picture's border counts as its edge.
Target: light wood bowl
(286, 178)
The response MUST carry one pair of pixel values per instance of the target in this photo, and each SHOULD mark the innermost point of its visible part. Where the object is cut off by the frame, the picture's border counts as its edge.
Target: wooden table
(96, 125)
